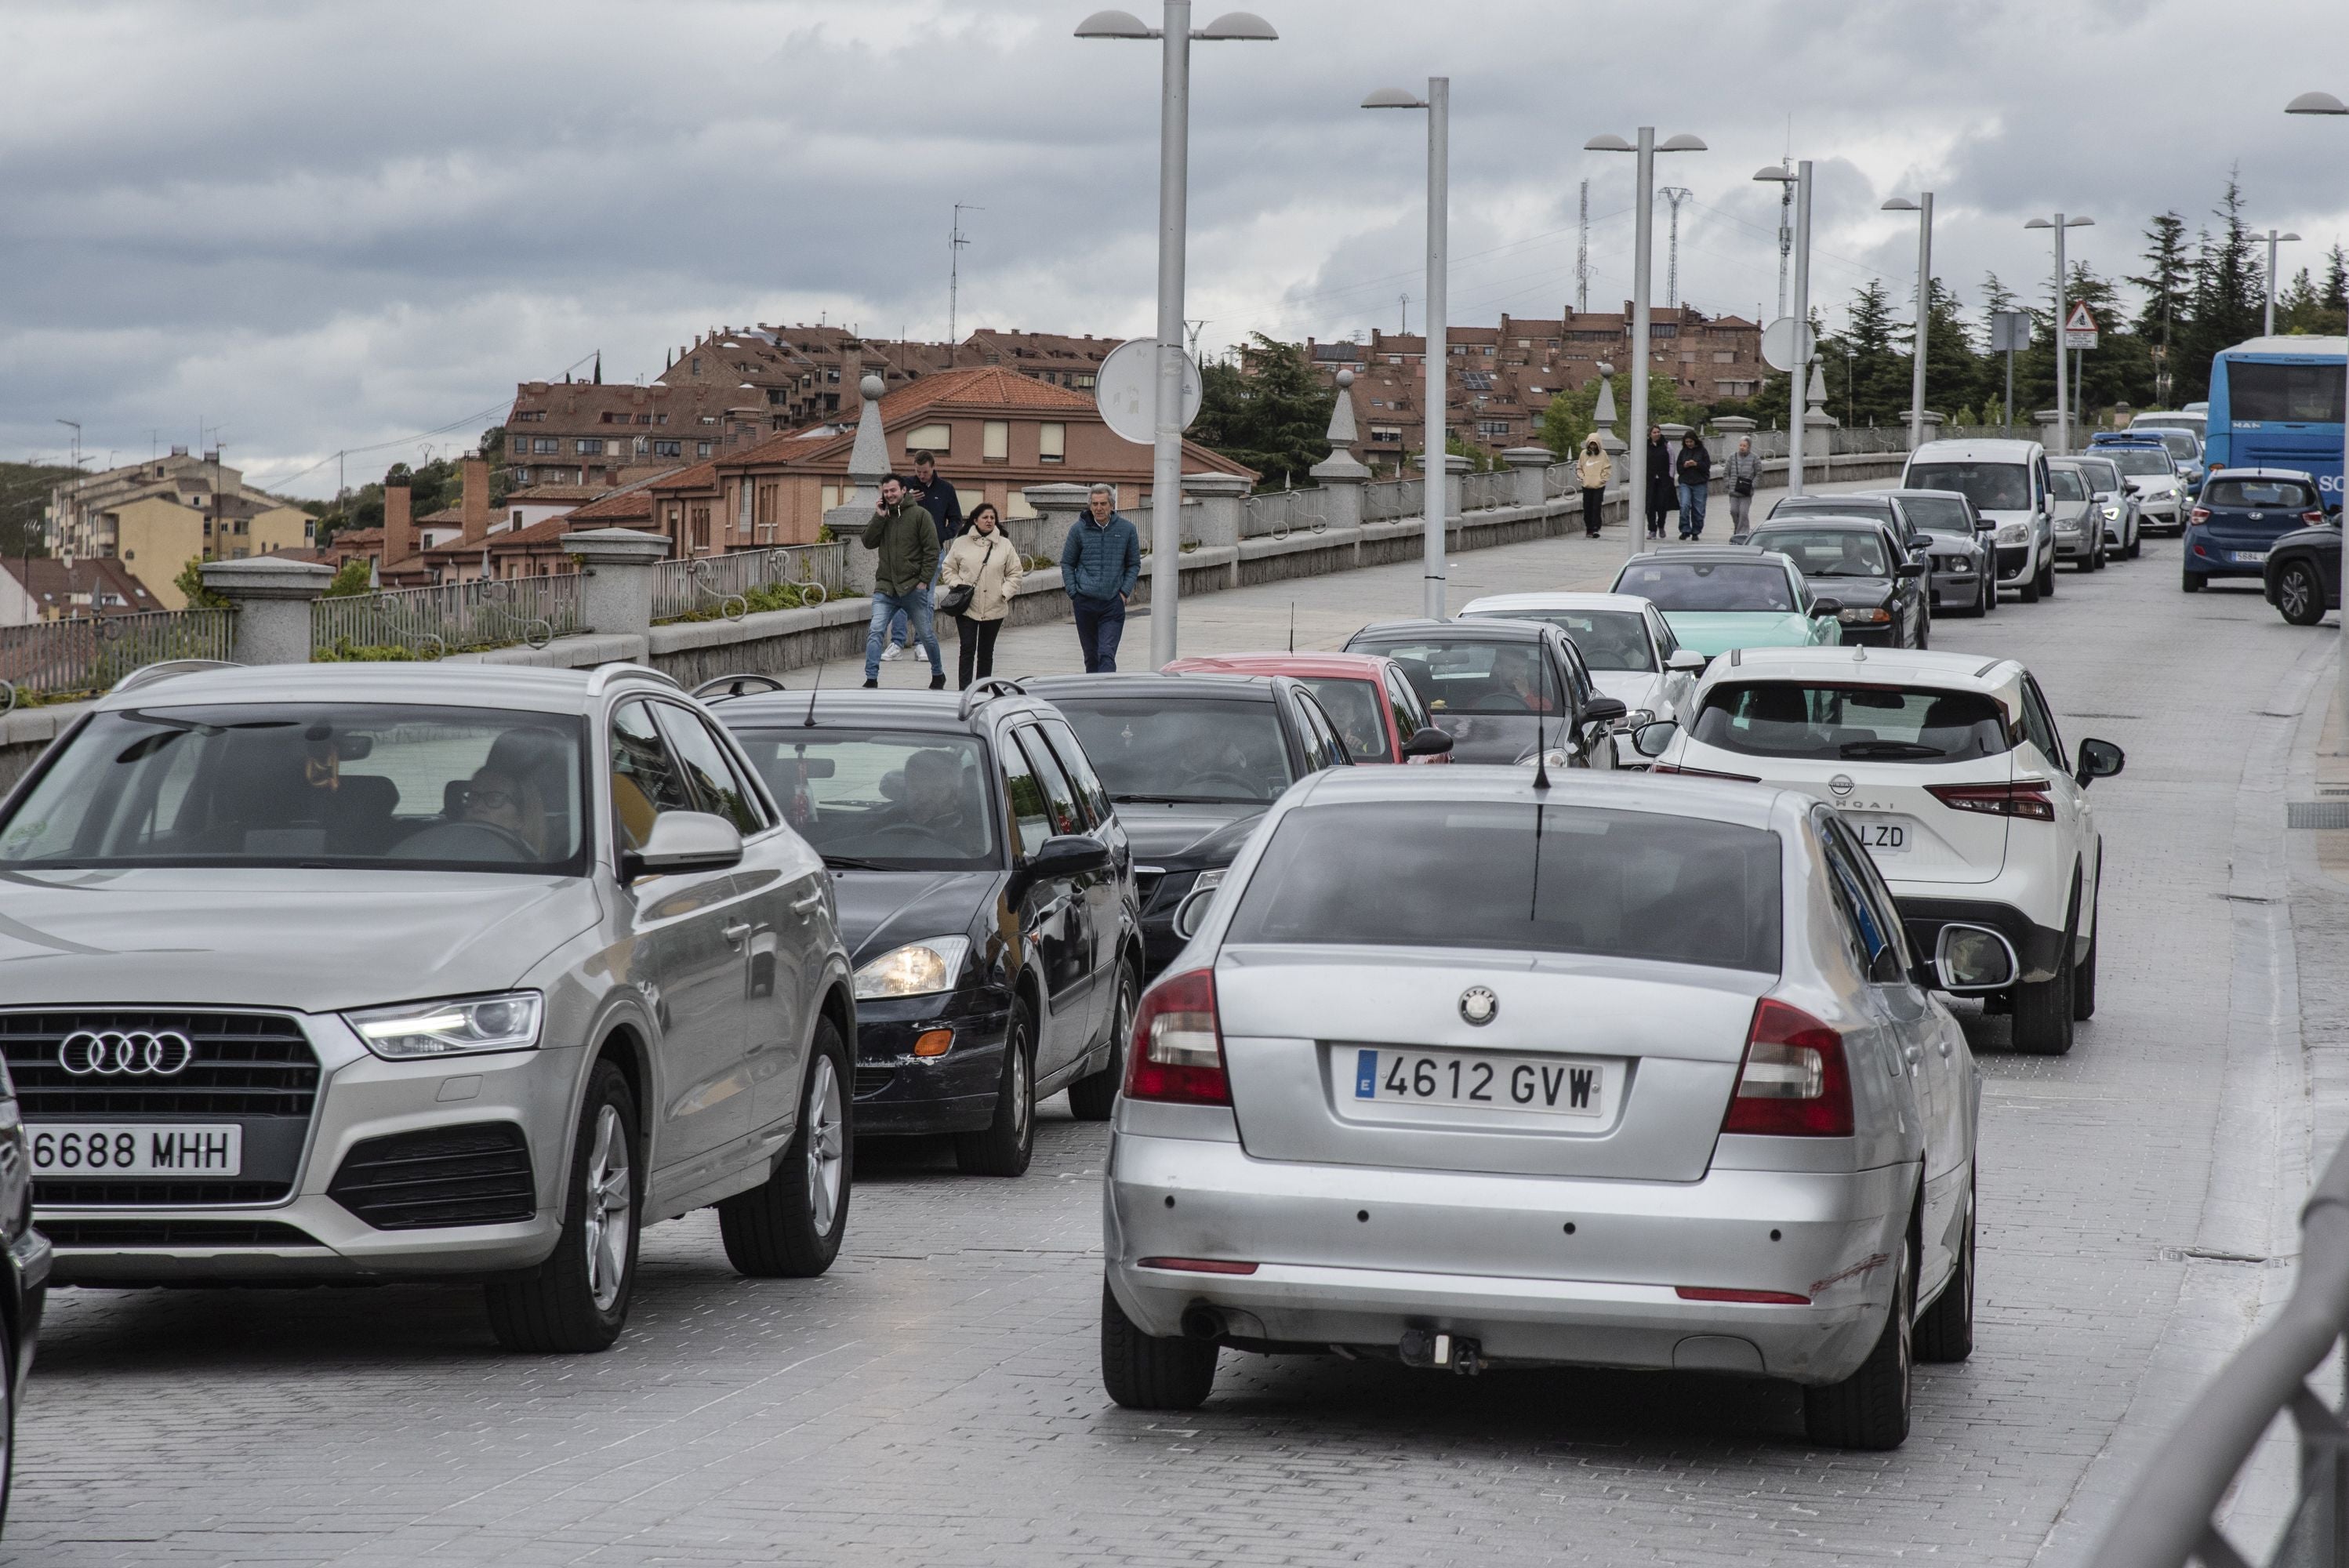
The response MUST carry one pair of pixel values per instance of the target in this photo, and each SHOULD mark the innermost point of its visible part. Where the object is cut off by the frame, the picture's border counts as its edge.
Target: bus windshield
(2270, 411)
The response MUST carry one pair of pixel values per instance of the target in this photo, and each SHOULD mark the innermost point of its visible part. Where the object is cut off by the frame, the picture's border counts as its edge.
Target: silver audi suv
(381, 972)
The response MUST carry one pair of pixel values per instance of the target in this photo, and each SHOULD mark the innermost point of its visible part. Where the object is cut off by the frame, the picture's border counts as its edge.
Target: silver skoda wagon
(381, 972)
(1472, 1070)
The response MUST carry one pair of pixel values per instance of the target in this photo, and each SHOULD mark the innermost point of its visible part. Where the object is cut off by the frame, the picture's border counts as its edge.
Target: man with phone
(907, 540)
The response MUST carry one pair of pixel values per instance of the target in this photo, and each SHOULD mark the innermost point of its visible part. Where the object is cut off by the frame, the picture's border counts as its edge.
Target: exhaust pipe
(1202, 1322)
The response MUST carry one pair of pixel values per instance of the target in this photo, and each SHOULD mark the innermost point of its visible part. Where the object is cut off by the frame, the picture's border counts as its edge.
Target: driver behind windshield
(936, 800)
(499, 800)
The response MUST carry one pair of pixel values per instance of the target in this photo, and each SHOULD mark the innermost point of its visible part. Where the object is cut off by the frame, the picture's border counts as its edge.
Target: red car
(1377, 713)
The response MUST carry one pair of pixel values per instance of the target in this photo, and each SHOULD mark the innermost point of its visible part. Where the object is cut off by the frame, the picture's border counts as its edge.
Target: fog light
(932, 1042)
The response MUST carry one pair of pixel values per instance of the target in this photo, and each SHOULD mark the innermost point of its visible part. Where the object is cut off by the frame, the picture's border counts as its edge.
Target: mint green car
(1724, 596)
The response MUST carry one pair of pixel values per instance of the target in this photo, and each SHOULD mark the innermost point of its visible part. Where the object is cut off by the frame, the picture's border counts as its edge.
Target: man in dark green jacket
(907, 540)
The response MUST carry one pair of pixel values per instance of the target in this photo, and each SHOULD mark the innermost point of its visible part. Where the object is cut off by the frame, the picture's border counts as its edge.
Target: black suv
(985, 890)
(1502, 689)
(1857, 562)
(1193, 762)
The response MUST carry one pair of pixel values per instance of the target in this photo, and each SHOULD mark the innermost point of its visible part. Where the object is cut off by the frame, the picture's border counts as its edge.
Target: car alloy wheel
(789, 1225)
(827, 1147)
(2297, 595)
(610, 1195)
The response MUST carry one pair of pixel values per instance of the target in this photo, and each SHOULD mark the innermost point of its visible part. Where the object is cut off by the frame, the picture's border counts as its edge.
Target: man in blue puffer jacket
(1100, 564)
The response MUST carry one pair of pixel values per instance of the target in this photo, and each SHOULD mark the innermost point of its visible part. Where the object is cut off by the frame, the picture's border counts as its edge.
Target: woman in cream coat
(985, 561)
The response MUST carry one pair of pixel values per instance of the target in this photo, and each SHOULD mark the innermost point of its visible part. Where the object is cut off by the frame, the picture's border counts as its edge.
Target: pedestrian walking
(908, 542)
(1694, 470)
(1744, 472)
(1100, 564)
(937, 497)
(1593, 468)
(976, 582)
(1660, 480)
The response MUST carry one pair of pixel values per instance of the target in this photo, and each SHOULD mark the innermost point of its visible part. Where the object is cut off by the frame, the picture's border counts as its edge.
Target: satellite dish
(1126, 390)
(1778, 343)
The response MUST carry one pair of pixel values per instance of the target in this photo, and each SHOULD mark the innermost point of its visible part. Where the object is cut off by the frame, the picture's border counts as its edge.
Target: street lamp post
(2063, 404)
(2325, 103)
(1173, 220)
(1923, 208)
(1643, 251)
(2267, 318)
(1799, 379)
(1437, 510)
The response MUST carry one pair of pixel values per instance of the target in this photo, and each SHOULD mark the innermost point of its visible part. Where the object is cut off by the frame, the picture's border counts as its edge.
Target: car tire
(2043, 1008)
(2299, 594)
(2047, 578)
(2029, 589)
(1989, 588)
(789, 1225)
(576, 1302)
(1869, 1409)
(1142, 1372)
(1924, 630)
(1946, 1330)
(1092, 1097)
(2083, 977)
(2191, 581)
(2135, 546)
(1006, 1144)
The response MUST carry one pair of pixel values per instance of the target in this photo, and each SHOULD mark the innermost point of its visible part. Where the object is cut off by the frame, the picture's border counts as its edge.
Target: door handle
(1945, 1047)
(1913, 1054)
(735, 932)
(807, 901)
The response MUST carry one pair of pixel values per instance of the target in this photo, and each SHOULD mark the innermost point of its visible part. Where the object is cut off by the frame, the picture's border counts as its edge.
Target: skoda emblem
(1479, 1005)
(135, 1053)
(1841, 784)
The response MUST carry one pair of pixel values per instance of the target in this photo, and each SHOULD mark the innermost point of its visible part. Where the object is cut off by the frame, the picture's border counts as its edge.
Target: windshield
(1755, 585)
(1829, 551)
(2102, 477)
(889, 799)
(379, 786)
(1482, 874)
(2181, 444)
(2065, 485)
(2276, 495)
(1851, 723)
(1217, 749)
(1463, 675)
(1836, 506)
(1991, 487)
(1357, 708)
(1938, 514)
(1608, 639)
(2188, 423)
(2283, 394)
(2137, 461)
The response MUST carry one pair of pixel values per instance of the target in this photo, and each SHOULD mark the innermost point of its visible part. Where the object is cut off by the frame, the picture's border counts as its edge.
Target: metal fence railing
(1277, 514)
(2168, 1519)
(735, 584)
(425, 623)
(1394, 499)
(56, 658)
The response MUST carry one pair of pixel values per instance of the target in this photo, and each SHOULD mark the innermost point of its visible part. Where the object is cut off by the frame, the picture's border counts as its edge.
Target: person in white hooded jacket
(985, 561)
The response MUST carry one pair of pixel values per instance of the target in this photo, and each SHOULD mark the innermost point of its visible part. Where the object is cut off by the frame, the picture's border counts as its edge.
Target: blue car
(2240, 515)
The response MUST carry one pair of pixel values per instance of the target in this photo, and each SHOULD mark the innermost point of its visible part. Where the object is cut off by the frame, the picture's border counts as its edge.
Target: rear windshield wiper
(1888, 748)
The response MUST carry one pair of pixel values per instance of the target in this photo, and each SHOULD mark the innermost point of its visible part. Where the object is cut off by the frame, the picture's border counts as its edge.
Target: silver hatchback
(381, 972)
(1470, 1069)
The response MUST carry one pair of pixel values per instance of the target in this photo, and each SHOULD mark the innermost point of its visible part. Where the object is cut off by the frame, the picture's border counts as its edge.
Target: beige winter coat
(992, 565)
(1594, 470)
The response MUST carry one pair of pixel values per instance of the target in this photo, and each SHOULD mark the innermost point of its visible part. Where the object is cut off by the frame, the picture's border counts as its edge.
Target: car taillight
(1177, 1051)
(2200, 514)
(1703, 773)
(2022, 797)
(1710, 1293)
(1794, 1082)
(2310, 518)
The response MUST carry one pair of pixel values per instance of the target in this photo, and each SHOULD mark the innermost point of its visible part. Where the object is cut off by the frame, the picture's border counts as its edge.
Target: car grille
(476, 1175)
(245, 1064)
(870, 1081)
(175, 1233)
(48, 1193)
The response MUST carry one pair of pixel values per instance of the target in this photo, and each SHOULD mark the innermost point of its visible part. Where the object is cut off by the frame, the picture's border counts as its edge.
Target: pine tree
(1273, 415)
(2336, 280)
(2227, 300)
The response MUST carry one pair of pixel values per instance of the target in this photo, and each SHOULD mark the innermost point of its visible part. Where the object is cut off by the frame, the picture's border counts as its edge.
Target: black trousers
(975, 645)
(1592, 501)
(1659, 507)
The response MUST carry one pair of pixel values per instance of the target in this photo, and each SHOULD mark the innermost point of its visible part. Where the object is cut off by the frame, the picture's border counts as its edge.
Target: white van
(2190, 419)
(2007, 482)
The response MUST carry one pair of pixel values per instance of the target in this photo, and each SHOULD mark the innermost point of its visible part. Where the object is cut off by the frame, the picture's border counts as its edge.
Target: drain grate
(2317, 814)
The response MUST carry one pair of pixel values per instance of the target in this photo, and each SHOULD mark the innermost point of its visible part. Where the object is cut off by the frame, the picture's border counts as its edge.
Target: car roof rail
(986, 691)
(148, 675)
(604, 677)
(718, 688)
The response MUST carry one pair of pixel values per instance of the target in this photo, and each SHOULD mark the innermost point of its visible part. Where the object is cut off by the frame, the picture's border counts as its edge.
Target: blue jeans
(916, 607)
(1692, 510)
(1100, 624)
(900, 628)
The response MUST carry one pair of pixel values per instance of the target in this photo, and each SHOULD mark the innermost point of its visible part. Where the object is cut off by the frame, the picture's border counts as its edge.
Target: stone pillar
(1602, 416)
(1058, 508)
(615, 578)
(1341, 475)
(1220, 499)
(271, 597)
(1456, 467)
(868, 465)
(1531, 465)
(1931, 427)
(1818, 425)
(2048, 425)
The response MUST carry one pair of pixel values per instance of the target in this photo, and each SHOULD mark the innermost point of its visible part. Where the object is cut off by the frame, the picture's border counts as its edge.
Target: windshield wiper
(1182, 800)
(851, 863)
(1888, 749)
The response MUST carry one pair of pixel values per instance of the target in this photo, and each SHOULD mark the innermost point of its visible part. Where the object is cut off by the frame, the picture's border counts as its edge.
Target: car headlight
(2014, 533)
(507, 1023)
(916, 969)
(1877, 617)
(2112, 514)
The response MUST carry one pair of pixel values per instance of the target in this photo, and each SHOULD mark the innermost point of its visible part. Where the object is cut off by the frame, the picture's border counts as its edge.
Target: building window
(521, 476)
(700, 448)
(1052, 443)
(546, 445)
(1492, 429)
(1016, 507)
(930, 438)
(668, 448)
(1084, 381)
(831, 497)
(995, 441)
(769, 509)
(658, 419)
(701, 528)
(742, 502)
(1386, 436)
(591, 446)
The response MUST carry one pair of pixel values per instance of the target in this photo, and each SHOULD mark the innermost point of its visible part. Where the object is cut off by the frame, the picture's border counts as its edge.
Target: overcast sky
(339, 225)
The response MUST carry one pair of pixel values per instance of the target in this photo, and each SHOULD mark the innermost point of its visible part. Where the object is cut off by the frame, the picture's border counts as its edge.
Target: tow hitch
(1441, 1351)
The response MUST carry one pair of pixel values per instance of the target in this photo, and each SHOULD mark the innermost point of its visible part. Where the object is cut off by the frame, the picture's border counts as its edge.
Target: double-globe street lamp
(2325, 103)
(1174, 218)
(1799, 379)
(1643, 251)
(1923, 208)
(2063, 404)
(1437, 510)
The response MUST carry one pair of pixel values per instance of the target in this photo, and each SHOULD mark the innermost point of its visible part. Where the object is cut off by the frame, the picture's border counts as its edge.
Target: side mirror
(1821, 609)
(1604, 710)
(1972, 959)
(1687, 659)
(1656, 739)
(1193, 911)
(1909, 569)
(1429, 742)
(1985, 525)
(684, 841)
(2099, 759)
(1067, 855)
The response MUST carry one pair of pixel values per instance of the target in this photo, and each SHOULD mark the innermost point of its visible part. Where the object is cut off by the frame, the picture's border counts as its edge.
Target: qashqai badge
(88, 1053)
(1479, 1005)
(1841, 784)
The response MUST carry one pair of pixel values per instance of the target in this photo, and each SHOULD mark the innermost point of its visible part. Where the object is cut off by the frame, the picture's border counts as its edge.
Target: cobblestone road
(935, 1400)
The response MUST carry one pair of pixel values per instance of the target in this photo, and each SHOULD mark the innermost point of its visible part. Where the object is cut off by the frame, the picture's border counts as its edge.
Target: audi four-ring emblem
(136, 1053)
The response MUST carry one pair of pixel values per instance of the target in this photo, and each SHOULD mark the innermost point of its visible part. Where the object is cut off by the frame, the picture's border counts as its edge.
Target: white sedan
(1625, 641)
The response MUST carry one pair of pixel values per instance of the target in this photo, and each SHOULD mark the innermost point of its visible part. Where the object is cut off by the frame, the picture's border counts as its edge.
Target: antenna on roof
(1292, 625)
(809, 723)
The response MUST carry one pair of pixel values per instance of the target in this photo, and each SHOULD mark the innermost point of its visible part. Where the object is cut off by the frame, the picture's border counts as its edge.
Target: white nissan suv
(1950, 770)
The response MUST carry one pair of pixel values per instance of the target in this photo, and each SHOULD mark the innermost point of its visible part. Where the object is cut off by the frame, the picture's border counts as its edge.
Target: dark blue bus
(2277, 403)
